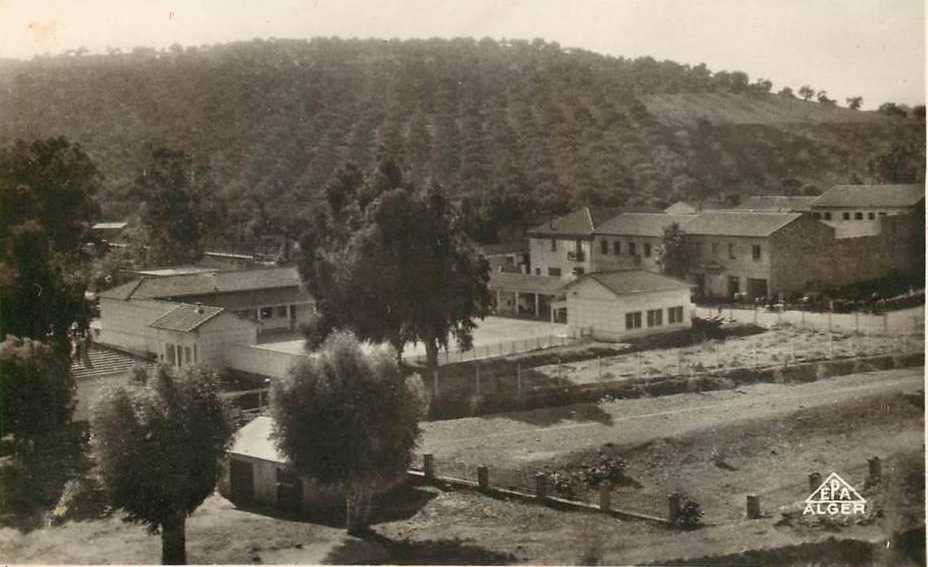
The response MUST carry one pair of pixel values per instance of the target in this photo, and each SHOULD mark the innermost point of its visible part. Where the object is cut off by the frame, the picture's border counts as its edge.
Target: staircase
(104, 361)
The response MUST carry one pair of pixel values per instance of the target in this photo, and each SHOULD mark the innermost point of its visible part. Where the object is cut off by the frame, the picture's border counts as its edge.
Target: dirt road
(522, 437)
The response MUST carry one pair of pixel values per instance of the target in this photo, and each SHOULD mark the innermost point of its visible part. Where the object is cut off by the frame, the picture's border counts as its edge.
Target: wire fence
(910, 320)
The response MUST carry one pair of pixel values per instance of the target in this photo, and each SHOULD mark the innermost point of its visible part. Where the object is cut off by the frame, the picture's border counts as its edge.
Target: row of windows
(858, 215)
(556, 272)
(178, 355)
(655, 317)
(632, 248)
(756, 251)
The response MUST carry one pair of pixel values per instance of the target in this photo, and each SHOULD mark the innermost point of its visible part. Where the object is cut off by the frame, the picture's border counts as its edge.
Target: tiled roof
(185, 317)
(580, 223)
(681, 208)
(205, 283)
(254, 440)
(528, 283)
(626, 282)
(513, 247)
(642, 224)
(777, 203)
(871, 196)
(730, 223)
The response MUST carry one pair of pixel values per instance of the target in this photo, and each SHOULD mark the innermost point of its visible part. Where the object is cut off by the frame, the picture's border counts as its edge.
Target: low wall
(255, 360)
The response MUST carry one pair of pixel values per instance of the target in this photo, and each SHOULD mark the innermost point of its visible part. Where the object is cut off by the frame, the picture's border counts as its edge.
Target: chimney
(199, 308)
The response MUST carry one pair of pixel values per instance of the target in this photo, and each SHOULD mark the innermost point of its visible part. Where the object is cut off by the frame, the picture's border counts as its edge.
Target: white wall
(542, 257)
(259, 361)
(124, 324)
(593, 308)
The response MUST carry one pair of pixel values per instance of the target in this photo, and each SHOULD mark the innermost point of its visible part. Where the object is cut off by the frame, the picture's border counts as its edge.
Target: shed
(627, 303)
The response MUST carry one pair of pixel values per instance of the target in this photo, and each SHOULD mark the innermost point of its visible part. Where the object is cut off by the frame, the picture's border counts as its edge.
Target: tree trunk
(358, 507)
(174, 540)
(431, 352)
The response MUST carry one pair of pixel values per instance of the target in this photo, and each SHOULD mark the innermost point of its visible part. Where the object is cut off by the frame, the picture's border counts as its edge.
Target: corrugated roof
(627, 282)
(185, 317)
(871, 196)
(507, 281)
(205, 283)
(254, 440)
(739, 224)
(642, 224)
(777, 203)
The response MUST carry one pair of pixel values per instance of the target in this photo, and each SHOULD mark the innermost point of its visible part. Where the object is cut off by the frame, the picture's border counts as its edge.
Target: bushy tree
(349, 418)
(158, 448)
(177, 210)
(854, 102)
(901, 163)
(46, 208)
(673, 257)
(806, 92)
(892, 109)
(36, 391)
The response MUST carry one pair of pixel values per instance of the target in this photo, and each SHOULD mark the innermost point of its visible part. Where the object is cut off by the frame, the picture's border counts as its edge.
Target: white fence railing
(905, 321)
(496, 349)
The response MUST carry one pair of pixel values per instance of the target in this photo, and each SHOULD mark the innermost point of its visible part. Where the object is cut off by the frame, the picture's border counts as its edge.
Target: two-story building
(562, 247)
(855, 210)
(632, 240)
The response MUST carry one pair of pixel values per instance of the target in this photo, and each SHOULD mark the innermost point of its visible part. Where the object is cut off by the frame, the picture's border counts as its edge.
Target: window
(170, 351)
(731, 250)
(188, 357)
(655, 317)
(282, 311)
(827, 216)
(537, 271)
(846, 216)
(715, 248)
(755, 251)
(631, 249)
(553, 245)
(817, 216)
(858, 216)
(267, 312)
(882, 214)
(579, 271)
(617, 247)
(647, 249)
(633, 320)
(554, 271)
(675, 315)
(871, 216)
(195, 357)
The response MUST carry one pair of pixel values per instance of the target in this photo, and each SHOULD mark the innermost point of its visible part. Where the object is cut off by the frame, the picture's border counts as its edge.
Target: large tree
(158, 448)
(673, 257)
(349, 418)
(36, 391)
(901, 163)
(46, 208)
(177, 211)
(396, 265)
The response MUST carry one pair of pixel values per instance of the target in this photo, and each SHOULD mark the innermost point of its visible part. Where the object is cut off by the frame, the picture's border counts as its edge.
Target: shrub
(690, 516)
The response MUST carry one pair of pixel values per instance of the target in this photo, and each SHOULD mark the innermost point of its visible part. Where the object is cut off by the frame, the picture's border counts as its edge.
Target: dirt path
(520, 437)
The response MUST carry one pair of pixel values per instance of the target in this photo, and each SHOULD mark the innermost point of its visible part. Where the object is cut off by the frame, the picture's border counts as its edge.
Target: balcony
(576, 256)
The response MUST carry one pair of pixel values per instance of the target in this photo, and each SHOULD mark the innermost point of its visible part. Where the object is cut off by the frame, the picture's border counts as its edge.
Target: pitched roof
(729, 223)
(254, 440)
(185, 317)
(205, 283)
(512, 247)
(681, 208)
(627, 282)
(528, 283)
(109, 226)
(777, 203)
(579, 223)
(642, 224)
(871, 196)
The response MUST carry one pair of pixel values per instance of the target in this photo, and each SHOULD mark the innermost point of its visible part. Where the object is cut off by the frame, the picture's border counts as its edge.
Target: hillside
(275, 118)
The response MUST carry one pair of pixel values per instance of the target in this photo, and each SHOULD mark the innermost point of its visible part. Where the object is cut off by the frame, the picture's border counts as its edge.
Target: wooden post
(435, 382)
(519, 379)
(428, 466)
(605, 496)
(885, 323)
(802, 320)
(483, 478)
(673, 508)
(260, 399)
(679, 362)
(829, 323)
(753, 506)
(541, 487)
(875, 471)
(477, 374)
(755, 314)
(831, 353)
(815, 480)
(856, 321)
(560, 369)
(754, 351)
(638, 355)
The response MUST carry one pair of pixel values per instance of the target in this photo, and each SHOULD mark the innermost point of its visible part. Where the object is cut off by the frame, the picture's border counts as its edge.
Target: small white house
(619, 304)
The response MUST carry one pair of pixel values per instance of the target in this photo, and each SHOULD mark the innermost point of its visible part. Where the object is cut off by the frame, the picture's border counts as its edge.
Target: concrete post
(428, 466)
(815, 480)
(875, 470)
(605, 496)
(483, 478)
(673, 508)
(753, 506)
(541, 486)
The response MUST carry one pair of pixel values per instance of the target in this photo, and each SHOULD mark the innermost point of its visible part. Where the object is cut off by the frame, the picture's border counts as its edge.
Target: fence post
(753, 506)
(754, 351)
(605, 495)
(541, 486)
(638, 357)
(477, 368)
(260, 399)
(483, 478)
(802, 320)
(519, 379)
(914, 324)
(560, 369)
(679, 362)
(829, 323)
(428, 466)
(885, 323)
(831, 353)
(856, 321)
(673, 508)
(435, 382)
(755, 314)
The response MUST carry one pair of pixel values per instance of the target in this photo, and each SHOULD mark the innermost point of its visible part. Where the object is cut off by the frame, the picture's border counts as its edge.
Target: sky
(869, 48)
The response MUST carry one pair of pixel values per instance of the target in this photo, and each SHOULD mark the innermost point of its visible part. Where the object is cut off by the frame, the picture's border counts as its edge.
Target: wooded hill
(275, 118)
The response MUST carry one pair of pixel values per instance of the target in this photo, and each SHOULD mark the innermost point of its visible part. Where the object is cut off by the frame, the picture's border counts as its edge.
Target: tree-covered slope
(275, 118)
